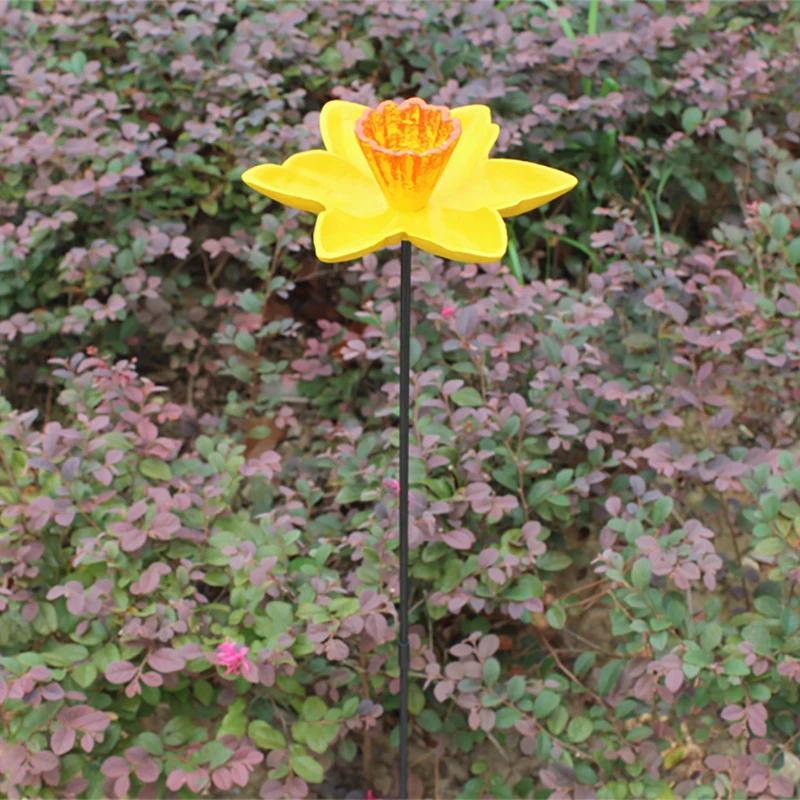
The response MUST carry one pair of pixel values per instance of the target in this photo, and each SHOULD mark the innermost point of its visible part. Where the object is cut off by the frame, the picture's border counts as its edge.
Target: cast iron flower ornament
(413, 172)
(408, 173)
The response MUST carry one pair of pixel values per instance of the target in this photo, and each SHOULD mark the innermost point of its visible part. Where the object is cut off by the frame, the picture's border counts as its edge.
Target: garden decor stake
(408, 173)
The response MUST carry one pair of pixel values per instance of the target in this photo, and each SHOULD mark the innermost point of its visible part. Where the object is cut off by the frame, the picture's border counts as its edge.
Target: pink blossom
(392, 484)
(448, 311)
(232, 656)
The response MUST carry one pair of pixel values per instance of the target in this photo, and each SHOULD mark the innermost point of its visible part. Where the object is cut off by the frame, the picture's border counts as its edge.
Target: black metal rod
(403, 653)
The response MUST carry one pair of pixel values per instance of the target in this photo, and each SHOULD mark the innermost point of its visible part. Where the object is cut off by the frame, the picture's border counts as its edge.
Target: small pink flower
(371, 796)
(392, 485)
(232, 656)
(448, 311)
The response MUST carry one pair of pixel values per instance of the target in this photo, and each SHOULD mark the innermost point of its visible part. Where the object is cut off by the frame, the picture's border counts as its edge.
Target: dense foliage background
(199, 420)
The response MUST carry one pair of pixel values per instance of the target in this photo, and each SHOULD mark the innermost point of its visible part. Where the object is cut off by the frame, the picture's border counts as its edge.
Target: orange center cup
(407, 147)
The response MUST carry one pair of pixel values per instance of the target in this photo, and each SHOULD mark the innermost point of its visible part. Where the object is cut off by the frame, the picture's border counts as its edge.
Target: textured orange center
(407, 147)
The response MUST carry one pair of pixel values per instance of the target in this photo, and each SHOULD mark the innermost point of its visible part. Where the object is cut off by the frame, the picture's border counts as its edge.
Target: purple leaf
(148, 772)
(44, 761)
(673, 680)
(337, 650)
(487, 718)
(115, 767)
(120, 672)
(718, 763)
(459, 539)
(152, 679)
(488, 646)
(570, 355)
(443, 690)
(782, 786)
(732, 713)
(466, 320)
(221, 778)
(167, 660)
(121, 786)
(62, 740)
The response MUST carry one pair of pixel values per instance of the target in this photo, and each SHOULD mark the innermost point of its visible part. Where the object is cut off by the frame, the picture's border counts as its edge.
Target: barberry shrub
(198, 448)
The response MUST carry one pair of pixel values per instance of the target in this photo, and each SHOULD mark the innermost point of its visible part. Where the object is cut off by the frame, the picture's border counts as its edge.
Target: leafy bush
(200, 424)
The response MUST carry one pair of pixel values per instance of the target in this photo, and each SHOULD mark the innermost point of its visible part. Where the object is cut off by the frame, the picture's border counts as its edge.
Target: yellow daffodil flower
(409, 171)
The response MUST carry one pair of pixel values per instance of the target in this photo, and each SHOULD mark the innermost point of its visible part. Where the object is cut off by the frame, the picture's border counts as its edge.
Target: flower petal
(337, 123)
(478, 135)
(318, 180)
(339, 236)
(478, 235)
(508, 186)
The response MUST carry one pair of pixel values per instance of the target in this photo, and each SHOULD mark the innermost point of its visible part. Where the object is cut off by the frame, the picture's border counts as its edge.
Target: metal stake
(405, 344)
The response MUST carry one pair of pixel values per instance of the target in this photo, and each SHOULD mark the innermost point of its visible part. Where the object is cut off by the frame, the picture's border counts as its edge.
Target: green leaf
(234, 722)
(77, 62)
(506, 717)
(350, 707)
(771, 546)
(552, 349)
(511, 426)
(318, 737)
(641, 573)
(414, 351)
(579, 729)
(754, 140)
(430, 721)
(609, 674)
(46, 621)
(84, 675)
(265, 736)
(245, 341)
(515, 688)
(584, 662)
(491, 671)
(780, 226)
(467, 396)
(215, 754)
(347, 750)
(793, 252)
(556, 617)
(416, 699)
(349, 494)
(768, 606)
(553, 562)
(314, 709)
(155, 469)
(691, 118)
(711, 636)
(37, 719)
(203, 691)
(545, 703)
(65, 655)
(178, 731)
(639, 342)
(308, 768)
(151, 742)
(696, 190)
(558, 720)
(770, 505)
(661, 509)
(639, 733)
(210, 206)
(758, 635)
(736, 666)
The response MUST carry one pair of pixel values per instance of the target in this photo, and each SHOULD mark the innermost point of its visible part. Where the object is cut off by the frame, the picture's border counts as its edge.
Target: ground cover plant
(199, 420)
